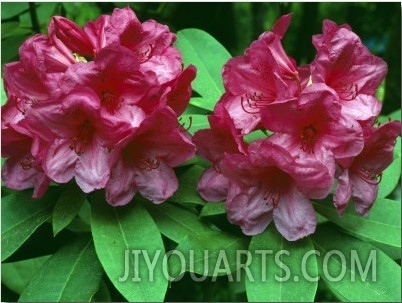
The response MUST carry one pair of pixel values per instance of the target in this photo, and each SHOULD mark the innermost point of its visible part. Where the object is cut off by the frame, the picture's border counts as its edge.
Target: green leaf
(10, 53)
(72, 274)
(390, 176)
(21, 216)
(383, 224)
(255, 135)
(203, 103)
(281, 271)
(175, 222)
(354, 269)
(14, 29)
(117, 232)
(197, 122)
(393, 252)
(212, 209)
(16, 275)
(3, 97)
(9, 10)
(212, 253)
(67, 207)
(187, 192)
(208, 55)
(103, 294)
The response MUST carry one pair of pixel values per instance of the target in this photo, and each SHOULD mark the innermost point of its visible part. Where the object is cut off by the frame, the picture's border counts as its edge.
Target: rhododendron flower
(262, 76)
(212, 144)
(347, 66)
(270, 184)
(23, 168)
(150, 41)
(144, 160)
(314, 126)
(80, 138)
(81, 95)
(359, 176)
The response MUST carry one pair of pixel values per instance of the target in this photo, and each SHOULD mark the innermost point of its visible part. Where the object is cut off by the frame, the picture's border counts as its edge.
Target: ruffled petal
(60, 160)
(213, 186)
(156, 184)
(120, 188)
(363, 194)
(343, 192)
(248, 209)
(295, 216)
(93, 168)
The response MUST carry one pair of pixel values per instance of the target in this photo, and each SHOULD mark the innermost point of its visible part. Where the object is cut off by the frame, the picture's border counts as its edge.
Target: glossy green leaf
(187, 192)
(212, 253)
(103, 294)
(390, 176)
(72, 274)
(212, 209)
(197, 122)
(117, 232)
(354, 269)
(9, 10)
(208, 55)
(203, 103)
(21, 216)
(67, 207)
(3, 94)
(16, 275)
(281, 271)
(255, 135)
(175, 222)
(383, 224)
(14, 29)
(393, 252)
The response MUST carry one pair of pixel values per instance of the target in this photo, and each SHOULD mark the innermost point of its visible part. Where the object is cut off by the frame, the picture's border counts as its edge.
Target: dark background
(235, 25)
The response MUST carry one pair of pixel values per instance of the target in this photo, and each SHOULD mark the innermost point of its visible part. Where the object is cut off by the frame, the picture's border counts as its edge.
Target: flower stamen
(308, 137)
(182, 126)
(145, 55)
(149, 163)
(27, 162)
(272, 198)
(83, 138)
(346, 91)
(368, 176)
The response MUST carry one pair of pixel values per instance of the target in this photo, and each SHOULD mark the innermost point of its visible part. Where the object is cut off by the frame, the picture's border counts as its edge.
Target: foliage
(91, 240)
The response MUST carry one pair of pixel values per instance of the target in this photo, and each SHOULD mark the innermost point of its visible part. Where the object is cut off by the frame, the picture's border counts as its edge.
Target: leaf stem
(34, 17)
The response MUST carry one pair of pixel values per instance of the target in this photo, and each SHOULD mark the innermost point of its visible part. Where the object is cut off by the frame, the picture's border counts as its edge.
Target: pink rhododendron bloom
(144, 160)
(212, 144)
(314, 126)
(347, 66)
(80, 138)
(23, 168)
(82, 93)
(359, 176)
(270, 184)
(262, 76)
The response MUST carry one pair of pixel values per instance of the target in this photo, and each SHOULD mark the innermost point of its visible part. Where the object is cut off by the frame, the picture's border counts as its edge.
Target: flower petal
(156, 184)
(93, 168)
(343, 192)
(363, 194)
(213, 186)
(249, 210)
(60, 160)
(120, 188)
(295, 216)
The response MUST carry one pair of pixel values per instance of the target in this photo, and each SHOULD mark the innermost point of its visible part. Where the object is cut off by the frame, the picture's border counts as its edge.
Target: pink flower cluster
(318, 122)
(98, 104)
